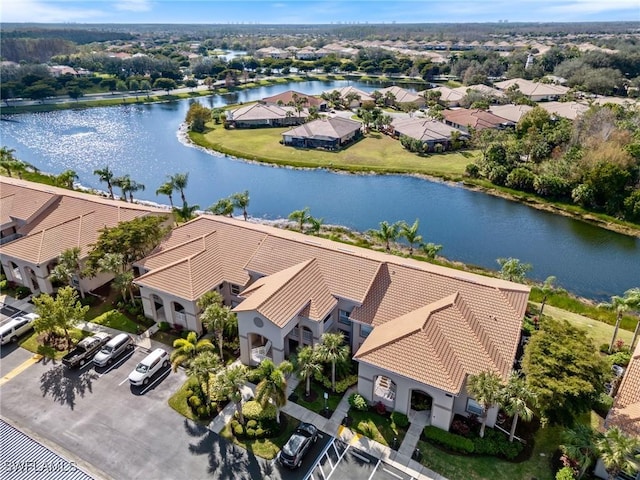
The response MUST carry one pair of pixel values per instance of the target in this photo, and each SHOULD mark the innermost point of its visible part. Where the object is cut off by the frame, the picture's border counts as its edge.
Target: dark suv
(294, 450)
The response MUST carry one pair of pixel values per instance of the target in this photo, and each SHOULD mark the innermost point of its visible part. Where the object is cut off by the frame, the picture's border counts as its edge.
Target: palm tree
(209, 298)
(123, 280)
(516, 400)
(179, 182)
(66, 179)
(315, 225)
(389, 99)
(231, 380)
(386, 233)
(223, 207)
(166, 189)
(106, 175)
(616, 451)
(633, 298)
(10, 163)
(431, 249)
(332, 349)
(186, 349)
(485, 388)
(410, 233)
(579, 444)
(124, 183)
(241, 200)
(68, 268)
(619, 305)
(186, 212)
(308, 365)
(547, 289)
(134, 187)
(300, 216)
(273, 384)
(202, 366)
(216, 317)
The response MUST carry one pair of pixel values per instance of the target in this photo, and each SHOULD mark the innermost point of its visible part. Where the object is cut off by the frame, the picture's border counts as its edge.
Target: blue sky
(309, 12)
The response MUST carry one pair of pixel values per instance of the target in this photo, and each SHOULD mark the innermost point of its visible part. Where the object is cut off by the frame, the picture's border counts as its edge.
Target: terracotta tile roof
(287, 97)
(476, 118)
(21, 203)
(512, 113)
(441, 343)
(484, 89)
(626, 408)
(283, 295)
(447, 94)
(325, 128)
(67, 219)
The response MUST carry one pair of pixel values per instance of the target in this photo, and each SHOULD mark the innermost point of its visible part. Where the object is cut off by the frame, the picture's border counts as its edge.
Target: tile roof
(626, 408)
(403, 95)
(325, 128)
(281, 296)
(529, 88)
(344, 91)
(447, 94)
(484, 89)
(260, 111)
(570, 110)
(512, 113)
(476, 118)
(20, 202)
(287, 97)
(64, 219)
(425, 130)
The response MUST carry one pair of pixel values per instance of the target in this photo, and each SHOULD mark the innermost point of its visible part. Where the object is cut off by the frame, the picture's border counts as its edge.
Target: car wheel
(14, 339)
(82, 362)
(145, 381)
(109, 362)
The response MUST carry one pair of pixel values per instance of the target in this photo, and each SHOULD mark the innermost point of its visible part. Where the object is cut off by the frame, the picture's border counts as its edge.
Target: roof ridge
(182, 244)
(187, 258)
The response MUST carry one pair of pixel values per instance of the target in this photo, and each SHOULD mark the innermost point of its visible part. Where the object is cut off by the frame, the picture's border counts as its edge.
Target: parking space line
(156, 381)
(20, 368)
(339, 460)
(123, 381)
(375, 469)
(392, 473)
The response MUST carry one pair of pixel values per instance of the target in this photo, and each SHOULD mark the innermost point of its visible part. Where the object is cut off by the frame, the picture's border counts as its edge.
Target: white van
(149, 366)
(113, 349)
(11, 330)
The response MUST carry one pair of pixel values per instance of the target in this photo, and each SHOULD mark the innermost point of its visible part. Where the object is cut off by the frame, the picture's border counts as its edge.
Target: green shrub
(194, 401)
(400, 419)
(472, 170)
(619, 358)
(252, 424)
(22, 292)
(260, 433)
(565, 473)
(251, 433)
(3, 284)
(603, 404)
(604, 348)
(496, 444)
(344, 384)
(358, 402)
(252, 410)
(202, 411)
(238, 431)
(164, 326)
(451, 441)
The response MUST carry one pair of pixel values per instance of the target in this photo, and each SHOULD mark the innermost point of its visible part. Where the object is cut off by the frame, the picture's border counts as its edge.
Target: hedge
(252, 410)
(451, 441)
(400, 419)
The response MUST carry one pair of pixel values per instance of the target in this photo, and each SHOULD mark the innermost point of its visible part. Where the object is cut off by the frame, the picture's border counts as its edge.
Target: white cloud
(133, 5)
(46, 12)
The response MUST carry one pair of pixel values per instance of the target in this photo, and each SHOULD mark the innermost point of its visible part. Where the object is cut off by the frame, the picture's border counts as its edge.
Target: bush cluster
(253, 410)
(400, 419)
(341, 385)
(252, 430)
(448, 440)
(496, 444)
(603, 404)
(358, 402)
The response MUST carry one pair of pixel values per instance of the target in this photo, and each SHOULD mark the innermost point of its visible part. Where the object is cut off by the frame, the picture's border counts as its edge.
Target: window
(365, 330)
(235, 289)
(474, 407)
(344, 317)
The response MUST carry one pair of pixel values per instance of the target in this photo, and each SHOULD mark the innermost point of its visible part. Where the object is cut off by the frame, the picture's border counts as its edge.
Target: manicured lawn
(178, 400)
(114, 319)
(315, 401)
(31, 343)
(165, 337)
(375, 153)
(265, 447)
(376, 427)
(462, 467)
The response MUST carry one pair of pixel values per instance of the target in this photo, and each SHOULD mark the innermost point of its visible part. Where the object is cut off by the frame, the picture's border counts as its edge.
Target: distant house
(329, 133)
(480, 88)
(403, 96)
(464, 119)
(512, 113)
(260, 115)
(570, 110)
(360, 96)
(272, 52)
(535, 91)
(449, 97)
(290, 96)
(430, 132)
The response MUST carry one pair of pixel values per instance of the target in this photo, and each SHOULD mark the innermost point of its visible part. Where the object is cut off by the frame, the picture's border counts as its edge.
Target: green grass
(266, 448)
(31, 343)
(178, 400)
(165, 337)
(114, 319)
(462, 467)
(317, 405)
(376, 427)
(374, 153)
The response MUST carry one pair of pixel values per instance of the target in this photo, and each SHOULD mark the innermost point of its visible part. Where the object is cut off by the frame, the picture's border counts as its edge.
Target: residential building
(329, 133)
(402, 96)
(416, 329)
(430, 132)
(259, 115)
(346, 94)
(449, 97)
(535, 91)
(570, 110)
(40, 222)
(272, 52)
(465, 119)
(510, 112)
(290, 97)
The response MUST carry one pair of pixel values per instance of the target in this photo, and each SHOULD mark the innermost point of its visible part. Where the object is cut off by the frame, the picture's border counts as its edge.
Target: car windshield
(106, 349)
(142, 368)
(293, 445)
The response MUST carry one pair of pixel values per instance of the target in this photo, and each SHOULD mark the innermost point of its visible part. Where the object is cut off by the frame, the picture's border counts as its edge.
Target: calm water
(473, 227)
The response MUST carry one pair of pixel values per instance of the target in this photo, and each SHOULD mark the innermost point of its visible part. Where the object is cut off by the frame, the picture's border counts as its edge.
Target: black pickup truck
(85, 350)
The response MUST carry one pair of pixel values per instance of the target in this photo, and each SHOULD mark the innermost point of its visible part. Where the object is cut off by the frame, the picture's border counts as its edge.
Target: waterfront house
(330, 133)
(402, 96)
(290, 97)
(430, 132)
(465, 119)
(535, 91)
(259, 115)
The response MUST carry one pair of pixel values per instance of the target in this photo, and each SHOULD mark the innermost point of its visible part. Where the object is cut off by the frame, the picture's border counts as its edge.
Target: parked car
(298, 444)
(14, 327)
(113, 349)
(85, 350)
(618, 370)
(148, 367)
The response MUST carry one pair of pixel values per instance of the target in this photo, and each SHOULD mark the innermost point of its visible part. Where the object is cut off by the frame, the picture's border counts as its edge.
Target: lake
(473, 227)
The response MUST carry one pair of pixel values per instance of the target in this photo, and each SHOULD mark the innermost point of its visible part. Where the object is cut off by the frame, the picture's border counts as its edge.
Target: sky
(316, 12)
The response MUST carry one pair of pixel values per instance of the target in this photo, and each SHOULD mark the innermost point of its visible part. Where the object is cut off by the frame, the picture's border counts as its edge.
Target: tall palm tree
(123, 183)
(410, 233)
(633, 300)
(68, 268)
(202, 367)
(547, 289)
(516, 400)
(617, 451)
(387, 233)
(485, 388)
(223, 207)
(186, 349)
(301, 217)
(179, 182)
(135, 187)
(332, 349)
(66, 178)
(209, 298)
(579, 444)
(308, 365)
(106, 175)
(273, 384)
(215, 317)
(186, 212)
(123, 280)
(10, 163)
(619, 305)
(241, 200)
(166, 189)
(315, 225)
(231, 380)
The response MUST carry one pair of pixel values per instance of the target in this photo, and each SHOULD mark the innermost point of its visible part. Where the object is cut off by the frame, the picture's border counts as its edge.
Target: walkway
(333, 426)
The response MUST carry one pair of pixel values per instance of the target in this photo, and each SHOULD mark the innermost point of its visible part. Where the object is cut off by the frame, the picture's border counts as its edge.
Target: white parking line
(339, 460)
(123, 381)
(156, 381)
(375, 469)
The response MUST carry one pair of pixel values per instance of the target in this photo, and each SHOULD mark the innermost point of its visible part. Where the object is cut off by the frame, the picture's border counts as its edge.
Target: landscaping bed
(315, 401)
(180, 402)
(377, 426)
(35, 344)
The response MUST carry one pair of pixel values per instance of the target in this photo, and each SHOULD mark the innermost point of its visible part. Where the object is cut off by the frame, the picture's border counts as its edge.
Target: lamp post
(326, 398)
